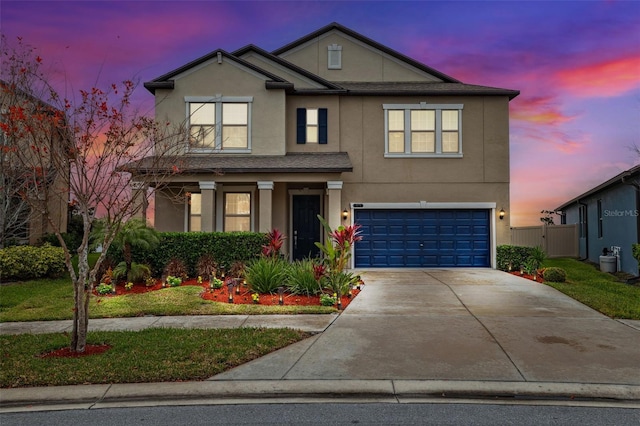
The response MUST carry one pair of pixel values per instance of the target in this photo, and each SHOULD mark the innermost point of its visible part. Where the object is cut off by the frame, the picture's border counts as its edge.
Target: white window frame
(218, 100)
(407, 108)
(226, 215)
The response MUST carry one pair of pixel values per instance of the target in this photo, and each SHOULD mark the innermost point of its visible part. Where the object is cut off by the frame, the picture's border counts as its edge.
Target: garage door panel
(423, 238)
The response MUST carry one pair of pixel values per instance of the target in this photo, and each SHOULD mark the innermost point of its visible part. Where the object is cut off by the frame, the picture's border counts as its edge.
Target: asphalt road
(335, 414)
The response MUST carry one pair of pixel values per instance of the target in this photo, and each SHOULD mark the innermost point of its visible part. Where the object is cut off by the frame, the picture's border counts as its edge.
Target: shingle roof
(284, 63)
(422, 88)
(333, 162)
(623, 177)
(166, 81)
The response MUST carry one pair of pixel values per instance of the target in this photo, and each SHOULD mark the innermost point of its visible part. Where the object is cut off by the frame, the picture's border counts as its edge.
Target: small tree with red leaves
(82, 151)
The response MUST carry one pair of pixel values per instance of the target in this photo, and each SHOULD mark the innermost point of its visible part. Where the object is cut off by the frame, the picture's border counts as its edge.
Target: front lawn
(47, 299)
(152, 355)
(599, 290)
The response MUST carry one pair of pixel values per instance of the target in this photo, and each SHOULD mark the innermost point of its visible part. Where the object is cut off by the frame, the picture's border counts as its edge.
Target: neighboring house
(339, 125)
(22, 209)
(608, 216)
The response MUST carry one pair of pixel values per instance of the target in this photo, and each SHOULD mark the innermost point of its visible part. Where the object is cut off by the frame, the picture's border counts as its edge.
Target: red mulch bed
(243, 297)
(68, 353)
(529, 277)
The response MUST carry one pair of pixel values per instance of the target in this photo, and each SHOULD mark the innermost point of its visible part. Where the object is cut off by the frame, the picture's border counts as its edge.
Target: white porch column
(140, 202)
(334, 193)
(265, 218)
(208, 207)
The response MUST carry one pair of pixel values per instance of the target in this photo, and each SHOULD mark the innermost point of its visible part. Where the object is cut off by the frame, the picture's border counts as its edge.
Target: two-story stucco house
(339, 125)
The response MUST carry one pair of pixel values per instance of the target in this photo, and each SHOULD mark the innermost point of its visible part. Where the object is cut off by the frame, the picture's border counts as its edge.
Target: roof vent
(335, 57)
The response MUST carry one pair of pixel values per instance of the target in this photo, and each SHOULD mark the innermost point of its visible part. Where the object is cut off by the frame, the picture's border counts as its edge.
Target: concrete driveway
(459, 324)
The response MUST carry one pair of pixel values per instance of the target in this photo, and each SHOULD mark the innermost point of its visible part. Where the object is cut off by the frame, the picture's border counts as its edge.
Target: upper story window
(311, 126)
(423, 130)
(219, 123)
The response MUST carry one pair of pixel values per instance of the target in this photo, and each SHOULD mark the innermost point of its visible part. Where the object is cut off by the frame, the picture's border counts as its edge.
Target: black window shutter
(301, 127)
(322, 125)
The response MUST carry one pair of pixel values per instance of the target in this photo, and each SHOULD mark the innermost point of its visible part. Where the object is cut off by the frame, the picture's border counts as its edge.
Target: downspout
(636, 186)
(586, 227)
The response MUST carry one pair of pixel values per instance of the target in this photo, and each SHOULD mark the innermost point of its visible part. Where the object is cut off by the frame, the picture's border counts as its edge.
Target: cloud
(539, 110)
(602, 79)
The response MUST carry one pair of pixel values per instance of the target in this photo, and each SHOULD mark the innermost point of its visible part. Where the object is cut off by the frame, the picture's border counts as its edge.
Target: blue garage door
(423, 238)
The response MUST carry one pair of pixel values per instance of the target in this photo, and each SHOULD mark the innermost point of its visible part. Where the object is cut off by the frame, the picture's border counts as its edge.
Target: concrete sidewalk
(409, 335)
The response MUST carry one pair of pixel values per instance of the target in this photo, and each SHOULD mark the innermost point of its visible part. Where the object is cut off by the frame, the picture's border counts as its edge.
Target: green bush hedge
(635, 251)
(556, 275)
(225, 247)
(28, 262)
(512, 255)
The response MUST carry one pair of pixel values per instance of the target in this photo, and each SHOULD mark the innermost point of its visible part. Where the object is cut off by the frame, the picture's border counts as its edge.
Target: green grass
(46, 300)
(152, 355)
(600, 291)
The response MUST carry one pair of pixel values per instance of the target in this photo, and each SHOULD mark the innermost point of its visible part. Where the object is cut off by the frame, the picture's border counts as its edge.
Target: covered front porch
(258, 195)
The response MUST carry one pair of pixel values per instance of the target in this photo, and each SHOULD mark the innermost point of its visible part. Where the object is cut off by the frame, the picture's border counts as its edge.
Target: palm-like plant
(135, 234)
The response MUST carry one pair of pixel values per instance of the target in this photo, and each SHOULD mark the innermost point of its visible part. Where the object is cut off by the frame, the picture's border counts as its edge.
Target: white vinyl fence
(555, 240)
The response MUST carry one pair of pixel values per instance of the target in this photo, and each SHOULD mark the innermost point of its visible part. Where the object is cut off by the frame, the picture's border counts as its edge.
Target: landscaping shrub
(28, 262)
(301, 279)
(515, 256)
(237, 269)
(340, 282)
(224, 247)
(266, 274)
(138, 273)
(556, 275)
(635, 251)
(207, 265)
(176, 268)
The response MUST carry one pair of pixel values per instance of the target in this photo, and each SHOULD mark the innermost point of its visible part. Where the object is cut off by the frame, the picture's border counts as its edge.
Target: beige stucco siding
(230, 80)
(299, 81)
(359, 62)
(169, 213)
(484, 159)
(332, 103)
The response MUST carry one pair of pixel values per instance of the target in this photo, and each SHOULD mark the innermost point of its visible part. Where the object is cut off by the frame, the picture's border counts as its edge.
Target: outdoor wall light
(345, 214)
(501, 214)
(281, 295)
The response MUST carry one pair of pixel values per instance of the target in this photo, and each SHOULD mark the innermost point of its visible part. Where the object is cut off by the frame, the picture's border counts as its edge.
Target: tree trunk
(80, 317)
(127, 258)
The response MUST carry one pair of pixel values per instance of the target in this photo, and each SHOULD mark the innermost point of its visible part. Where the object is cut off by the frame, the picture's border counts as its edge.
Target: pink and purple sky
(576, 63)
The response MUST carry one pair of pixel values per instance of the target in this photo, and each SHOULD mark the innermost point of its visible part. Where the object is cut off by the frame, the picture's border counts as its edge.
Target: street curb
(216, 392)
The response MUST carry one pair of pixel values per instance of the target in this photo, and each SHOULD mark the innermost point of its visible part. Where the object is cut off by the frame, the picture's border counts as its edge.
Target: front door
(306, 226)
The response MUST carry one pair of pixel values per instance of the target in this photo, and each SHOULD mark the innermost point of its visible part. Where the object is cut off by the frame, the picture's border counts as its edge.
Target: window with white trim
(219, 123)
(423, 130)
(195, 212)
(237, 211)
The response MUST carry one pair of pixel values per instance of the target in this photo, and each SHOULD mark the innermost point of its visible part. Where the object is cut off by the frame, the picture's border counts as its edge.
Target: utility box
(608, 264)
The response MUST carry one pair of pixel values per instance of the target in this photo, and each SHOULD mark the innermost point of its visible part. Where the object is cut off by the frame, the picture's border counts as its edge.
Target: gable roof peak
(366, 40)
(166, 81)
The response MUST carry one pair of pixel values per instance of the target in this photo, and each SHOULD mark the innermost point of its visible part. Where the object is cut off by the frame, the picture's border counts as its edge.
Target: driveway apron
(459, 324)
